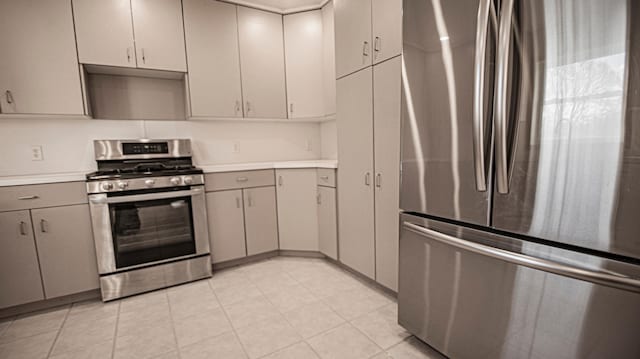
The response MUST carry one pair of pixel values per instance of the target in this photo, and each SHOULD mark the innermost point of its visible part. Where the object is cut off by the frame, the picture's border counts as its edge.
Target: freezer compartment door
(568, 123)
(468, 299)
(448, 56)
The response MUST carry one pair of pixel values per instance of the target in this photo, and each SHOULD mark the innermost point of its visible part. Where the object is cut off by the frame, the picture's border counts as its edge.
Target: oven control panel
(121, 185)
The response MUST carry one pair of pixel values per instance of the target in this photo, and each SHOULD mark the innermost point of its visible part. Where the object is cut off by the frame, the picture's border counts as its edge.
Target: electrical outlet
(236, 147)
(36, 153)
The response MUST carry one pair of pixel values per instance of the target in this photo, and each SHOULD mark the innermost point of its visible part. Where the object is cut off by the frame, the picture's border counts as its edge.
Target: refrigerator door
(568, 131)
(472, 294)
(447, 73)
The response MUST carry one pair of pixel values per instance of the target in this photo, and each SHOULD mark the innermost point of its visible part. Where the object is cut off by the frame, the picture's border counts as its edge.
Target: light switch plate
(36, 153)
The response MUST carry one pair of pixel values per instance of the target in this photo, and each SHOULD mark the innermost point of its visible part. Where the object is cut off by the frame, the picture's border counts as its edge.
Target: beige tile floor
(282, 308)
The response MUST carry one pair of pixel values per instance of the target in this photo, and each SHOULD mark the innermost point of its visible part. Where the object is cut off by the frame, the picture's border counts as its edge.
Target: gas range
(149, 217)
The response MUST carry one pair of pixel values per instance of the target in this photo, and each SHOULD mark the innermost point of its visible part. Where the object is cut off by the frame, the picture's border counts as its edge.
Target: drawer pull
(242, 179)
(324, 178)
(23, 228)
(24, 198)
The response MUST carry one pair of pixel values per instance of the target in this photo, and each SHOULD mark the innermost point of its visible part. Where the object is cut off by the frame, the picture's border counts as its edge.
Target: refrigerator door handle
(501, 117)
(479, 67)
(610, 279)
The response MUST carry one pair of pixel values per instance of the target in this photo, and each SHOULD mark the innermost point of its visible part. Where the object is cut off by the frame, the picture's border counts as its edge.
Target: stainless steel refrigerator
(520, 177)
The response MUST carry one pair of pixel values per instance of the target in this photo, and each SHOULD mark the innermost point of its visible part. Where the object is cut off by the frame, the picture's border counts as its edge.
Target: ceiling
(282, 6)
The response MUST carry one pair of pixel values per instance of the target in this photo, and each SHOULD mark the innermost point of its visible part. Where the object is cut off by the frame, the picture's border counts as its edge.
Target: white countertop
(80, 176)
(42, 178)
(270, 165)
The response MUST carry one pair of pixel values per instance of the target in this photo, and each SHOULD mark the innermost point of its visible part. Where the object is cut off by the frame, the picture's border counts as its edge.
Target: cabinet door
(104, 32)
(226, 225)
(159, 34)
(354, 119)
(353, 35)
(262, 63)
(19, 272)
(211, 34)
(327, 222)
(38, 67)
(303, 54)
(386, 120)
(297, 209)
(328, 59)
(66, 249)
(387, 29)
(261, 221)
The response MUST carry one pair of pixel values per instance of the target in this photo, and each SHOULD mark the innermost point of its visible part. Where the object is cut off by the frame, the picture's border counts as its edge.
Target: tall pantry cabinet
(368, 120)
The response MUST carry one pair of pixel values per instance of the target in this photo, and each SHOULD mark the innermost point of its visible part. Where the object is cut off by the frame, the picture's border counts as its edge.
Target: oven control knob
(107, 186)
(150, 182)
(188, 180)
(123, 185)
(175, 181)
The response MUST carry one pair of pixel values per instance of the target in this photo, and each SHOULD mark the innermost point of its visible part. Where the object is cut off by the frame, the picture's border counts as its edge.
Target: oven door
(137, 230)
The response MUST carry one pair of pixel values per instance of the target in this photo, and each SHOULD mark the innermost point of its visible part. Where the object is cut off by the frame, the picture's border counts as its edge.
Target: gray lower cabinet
(327, 222)
(19, 272)
(65, 249)
(297, 209)
(261, 221)
(226, 225)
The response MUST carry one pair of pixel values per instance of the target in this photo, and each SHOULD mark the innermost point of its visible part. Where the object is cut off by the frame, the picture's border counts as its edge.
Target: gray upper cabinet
(226, 225)
(66, 250)
(387, 29)
(38, 66)
(353, 35)
(131, 33)
(304, 56)
(211, 33)
(328, 59)
(261, 221)
(297, 209)
(262, 63)
(19, 271)
(354, 119)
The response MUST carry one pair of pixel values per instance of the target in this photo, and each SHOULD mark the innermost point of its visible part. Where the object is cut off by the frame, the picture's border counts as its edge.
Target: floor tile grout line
(115, 332)
(64, 320)
(173, 325)
(233, 328)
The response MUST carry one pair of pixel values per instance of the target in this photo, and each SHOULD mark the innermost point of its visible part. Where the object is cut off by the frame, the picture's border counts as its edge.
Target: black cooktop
(145, 169)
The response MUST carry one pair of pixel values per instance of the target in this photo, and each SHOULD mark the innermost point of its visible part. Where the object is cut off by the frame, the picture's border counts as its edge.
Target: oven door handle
(147, 196)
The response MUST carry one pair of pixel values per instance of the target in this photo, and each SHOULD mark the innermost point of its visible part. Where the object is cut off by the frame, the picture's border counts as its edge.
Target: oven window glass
(149, 231)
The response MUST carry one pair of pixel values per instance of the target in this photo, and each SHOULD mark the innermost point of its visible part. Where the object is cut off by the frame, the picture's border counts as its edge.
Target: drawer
(14, 198)
(326, 177)
(240, 179)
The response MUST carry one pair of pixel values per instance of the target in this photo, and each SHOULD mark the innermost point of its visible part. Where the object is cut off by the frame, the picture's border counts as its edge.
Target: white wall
(67, 143)
(329, 139)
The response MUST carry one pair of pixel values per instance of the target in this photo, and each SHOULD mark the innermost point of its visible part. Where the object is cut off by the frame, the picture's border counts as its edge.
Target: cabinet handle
(376, 46)
(365, 48)
(378, 180)
(24, 198)
(9, 96)
(242, 179)
(23, 228)
(367, 179)
(144, 58)
(280, 181)
(43, 226)
(128, 54)
(250, 201)
(237, 202)
(291, 107)
(248, 107)
(319, 199)
(324, 178)
(237, 106)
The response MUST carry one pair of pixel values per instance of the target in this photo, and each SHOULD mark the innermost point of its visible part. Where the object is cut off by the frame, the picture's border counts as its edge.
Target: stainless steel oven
(150, 224)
